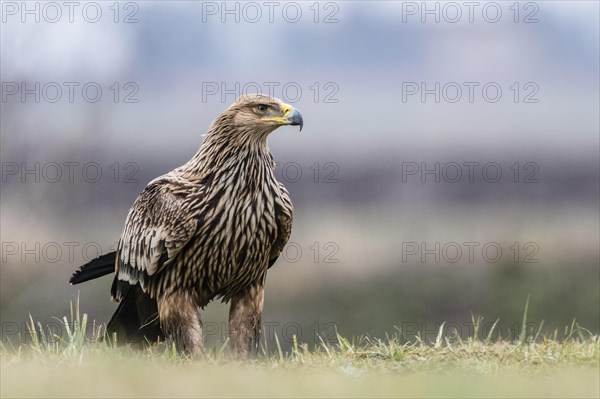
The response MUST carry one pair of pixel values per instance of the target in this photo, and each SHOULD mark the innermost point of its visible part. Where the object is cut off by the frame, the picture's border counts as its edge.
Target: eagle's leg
(245, 316)
(180, 322)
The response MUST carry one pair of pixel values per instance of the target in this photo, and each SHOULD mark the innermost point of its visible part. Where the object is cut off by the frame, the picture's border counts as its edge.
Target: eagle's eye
(261, 108)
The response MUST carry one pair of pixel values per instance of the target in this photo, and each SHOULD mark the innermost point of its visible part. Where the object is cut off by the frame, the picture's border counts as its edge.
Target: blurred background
(448, 166)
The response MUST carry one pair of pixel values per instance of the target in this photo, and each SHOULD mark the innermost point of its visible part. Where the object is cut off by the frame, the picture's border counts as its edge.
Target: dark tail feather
(136, 319)
(98, 267)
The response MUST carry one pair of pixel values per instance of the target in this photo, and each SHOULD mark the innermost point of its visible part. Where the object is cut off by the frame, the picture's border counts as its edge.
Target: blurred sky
(367, 54)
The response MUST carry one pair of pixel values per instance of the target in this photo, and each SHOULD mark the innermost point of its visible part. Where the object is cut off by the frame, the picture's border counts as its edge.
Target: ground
(563, 365)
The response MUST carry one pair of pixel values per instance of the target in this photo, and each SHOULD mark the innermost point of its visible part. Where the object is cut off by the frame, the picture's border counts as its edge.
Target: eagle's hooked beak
(291, 116)
(295, 118)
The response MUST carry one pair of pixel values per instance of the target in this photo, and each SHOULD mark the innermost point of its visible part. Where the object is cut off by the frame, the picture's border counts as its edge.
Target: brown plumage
(208, 229)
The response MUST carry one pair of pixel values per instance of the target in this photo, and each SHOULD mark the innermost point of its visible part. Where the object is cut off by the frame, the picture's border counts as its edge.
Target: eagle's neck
(227, 151)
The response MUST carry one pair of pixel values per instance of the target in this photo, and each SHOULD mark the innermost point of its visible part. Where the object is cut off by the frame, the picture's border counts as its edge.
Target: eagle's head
(257, 115)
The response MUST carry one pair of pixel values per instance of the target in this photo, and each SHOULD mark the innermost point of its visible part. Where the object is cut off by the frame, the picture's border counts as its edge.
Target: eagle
(209, 229)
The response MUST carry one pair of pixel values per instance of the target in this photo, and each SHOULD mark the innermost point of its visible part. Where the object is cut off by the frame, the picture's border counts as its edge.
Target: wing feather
(161, 222)
(284, 217)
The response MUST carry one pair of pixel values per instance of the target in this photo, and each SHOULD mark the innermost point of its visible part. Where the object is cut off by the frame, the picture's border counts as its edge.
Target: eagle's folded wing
(160, 223)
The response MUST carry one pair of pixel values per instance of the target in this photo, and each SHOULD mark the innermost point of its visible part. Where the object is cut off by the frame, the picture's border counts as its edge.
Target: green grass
(564, 364)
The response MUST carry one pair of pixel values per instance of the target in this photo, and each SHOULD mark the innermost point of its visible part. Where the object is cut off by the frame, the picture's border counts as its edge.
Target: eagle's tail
(136, 319)
(98, 267)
